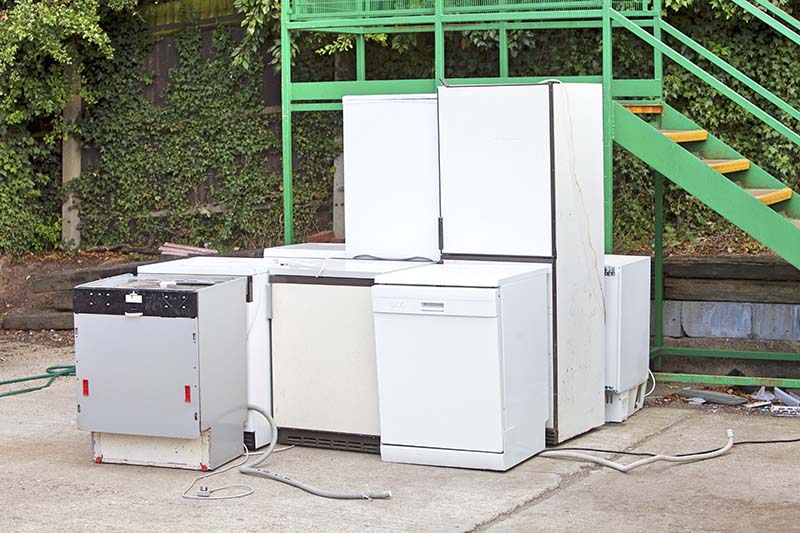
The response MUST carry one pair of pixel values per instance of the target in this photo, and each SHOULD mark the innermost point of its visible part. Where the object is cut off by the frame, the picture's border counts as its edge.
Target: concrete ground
(48, 480)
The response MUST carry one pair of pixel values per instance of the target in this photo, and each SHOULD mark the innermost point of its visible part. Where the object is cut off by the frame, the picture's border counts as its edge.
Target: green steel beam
(318, 106)
(727, 380)
(361, 61)
(286, 130)
(729, 354)
(334, 90)
(731, 70)
(503, 48)
(438, 45)
(706, 184)
(769, 21)
(658, 58)
(707, 78)
(608, 130)
(781, 14)
(658, 269)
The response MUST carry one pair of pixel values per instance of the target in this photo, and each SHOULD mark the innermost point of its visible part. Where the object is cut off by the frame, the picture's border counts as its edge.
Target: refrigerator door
(496, 170)
(391, 165)
(452, 365)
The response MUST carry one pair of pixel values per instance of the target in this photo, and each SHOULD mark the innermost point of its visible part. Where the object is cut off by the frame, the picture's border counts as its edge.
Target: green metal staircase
(714, 173)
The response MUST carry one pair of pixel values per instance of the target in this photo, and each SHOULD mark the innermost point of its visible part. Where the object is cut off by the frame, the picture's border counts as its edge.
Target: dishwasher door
(439, 367)
(137, 375)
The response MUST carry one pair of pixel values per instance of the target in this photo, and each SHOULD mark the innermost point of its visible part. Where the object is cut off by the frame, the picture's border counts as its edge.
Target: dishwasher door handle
(432, 307)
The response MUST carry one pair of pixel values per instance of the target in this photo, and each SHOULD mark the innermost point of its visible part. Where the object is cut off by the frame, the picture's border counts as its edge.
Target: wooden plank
(771, 196)
(62, 300)
(726, 166)
(65, 281)
(685, 136)
(713, 290)
(38, 319)
(645, 109)
(757, 267)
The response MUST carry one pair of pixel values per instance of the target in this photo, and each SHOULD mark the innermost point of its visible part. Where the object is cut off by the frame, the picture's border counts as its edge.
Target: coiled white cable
(555, 454)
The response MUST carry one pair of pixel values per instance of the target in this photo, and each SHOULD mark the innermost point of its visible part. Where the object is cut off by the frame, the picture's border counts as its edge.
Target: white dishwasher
(462, 357)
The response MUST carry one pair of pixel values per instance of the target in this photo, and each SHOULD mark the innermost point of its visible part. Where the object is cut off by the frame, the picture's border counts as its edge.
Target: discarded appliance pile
(469, 319)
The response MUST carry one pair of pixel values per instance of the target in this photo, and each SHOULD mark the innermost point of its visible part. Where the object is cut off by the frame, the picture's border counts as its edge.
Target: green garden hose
(51, 373)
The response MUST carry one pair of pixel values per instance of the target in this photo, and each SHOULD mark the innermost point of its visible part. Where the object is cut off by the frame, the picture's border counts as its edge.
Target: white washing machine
(324, 382)
(462, 360)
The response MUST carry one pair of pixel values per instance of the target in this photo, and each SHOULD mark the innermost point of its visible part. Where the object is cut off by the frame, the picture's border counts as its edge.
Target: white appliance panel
(451, 365)
(391, 164)
(627, 300)
(307, 250)
(323, 358)
(495, 170)
(580, 343)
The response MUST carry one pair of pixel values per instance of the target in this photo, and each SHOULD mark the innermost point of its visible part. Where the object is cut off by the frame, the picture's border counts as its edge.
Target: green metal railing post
(361, 59)
(503, 50)
(608, 129)
(438, 49)
(658, 272)
(658, 58)
(286, 125)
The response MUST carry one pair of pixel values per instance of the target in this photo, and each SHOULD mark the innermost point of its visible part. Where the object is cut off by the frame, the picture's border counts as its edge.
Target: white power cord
(555, 454)
(648, 393)
(207, 494)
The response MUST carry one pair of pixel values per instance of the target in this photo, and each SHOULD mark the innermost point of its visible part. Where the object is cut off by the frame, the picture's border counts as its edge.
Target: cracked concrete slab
(49, 481)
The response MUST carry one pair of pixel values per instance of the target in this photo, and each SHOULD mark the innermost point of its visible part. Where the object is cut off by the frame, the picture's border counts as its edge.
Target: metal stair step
(726, 166)
(644, 109)
(685, 136)
(771, 196)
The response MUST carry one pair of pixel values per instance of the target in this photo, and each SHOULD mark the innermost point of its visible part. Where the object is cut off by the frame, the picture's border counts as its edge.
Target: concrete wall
(731, 320)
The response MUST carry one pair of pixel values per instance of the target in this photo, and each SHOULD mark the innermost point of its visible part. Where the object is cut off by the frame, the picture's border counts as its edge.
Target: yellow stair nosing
(683, 136)
(771, 196)
(725, 166)
(645, 109)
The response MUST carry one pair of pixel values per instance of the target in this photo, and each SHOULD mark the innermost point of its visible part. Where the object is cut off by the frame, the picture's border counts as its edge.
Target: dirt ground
(16, 274)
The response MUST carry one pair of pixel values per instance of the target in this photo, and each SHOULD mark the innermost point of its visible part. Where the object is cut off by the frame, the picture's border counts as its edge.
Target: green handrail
(781, 14)
(769, 21)
(706, 77)
(730, 69)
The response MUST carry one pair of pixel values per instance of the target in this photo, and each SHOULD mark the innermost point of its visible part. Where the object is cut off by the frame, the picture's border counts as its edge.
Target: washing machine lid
(307, 250)
(342, 268)
(234, 266)
(464, 274)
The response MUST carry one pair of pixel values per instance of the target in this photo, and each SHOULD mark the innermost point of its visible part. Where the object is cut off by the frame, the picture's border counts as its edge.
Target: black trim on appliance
(441, 235)
(330, 440)
(550, 437)
(249, 297)
(313, 280)
(160, 303)
(250, 440)
(500, 258)
(554, 273)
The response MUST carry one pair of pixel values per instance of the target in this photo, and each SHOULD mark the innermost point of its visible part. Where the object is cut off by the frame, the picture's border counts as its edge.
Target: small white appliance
(307, 250)
(391, 176)
(161, 369)
(463, 351)
(627, 298)
(324, 382)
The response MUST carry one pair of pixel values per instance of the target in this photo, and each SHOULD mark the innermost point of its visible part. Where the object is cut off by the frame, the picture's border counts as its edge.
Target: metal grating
(331, 441)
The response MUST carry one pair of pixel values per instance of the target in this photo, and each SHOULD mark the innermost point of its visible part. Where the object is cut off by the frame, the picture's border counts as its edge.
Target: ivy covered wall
(193, 155)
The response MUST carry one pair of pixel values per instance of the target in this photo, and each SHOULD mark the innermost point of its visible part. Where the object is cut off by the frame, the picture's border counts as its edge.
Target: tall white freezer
(463, 352)
(391, 176)
(522, 180)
